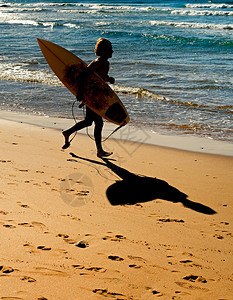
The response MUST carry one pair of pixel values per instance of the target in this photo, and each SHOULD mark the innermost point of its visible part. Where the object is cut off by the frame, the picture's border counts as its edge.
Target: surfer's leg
(98, 132)
(66, 136)
(98, 137)
(78, 126)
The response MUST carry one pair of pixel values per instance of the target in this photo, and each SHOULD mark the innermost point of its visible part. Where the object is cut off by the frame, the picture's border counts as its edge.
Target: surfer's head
(103, 48)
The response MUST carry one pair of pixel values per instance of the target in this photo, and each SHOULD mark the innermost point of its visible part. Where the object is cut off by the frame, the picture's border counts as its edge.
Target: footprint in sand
(82, 244)
(224, 223)
(28, 279)
(135, 266)
(94, 269)
(41, 172)
(40, 225)
(5, 161)
(46, 183)
(44, 248)
(195, 278)
(31, 249)
(106, 293)
(187, 261)
(78, 267)
(116, 238)
(70, 241)
(25, 224)
(49, 272)
(170, 220)
(137, 258)
(63, 235)
(190, 286)
(12, 183)
(9, 226)
(6, 270)
(23, 205)
(23, 170)
(66, 238)
(218, 236)
(159, 294)
(72, 218)
(115, 258)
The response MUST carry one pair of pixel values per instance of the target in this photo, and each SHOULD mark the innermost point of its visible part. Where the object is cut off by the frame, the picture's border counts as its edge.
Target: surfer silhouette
(103, 50)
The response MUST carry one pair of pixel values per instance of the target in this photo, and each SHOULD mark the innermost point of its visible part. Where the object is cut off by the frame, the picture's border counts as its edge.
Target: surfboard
(97, 94)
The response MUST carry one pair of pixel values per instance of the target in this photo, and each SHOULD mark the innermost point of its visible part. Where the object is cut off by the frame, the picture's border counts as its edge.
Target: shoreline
(130, 133)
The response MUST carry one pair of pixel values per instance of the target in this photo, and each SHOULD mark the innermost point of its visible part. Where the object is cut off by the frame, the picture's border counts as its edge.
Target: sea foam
(201, 12)
(193, 25)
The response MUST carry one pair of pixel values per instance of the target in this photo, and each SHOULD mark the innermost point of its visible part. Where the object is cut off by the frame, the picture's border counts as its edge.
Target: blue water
(172, 61)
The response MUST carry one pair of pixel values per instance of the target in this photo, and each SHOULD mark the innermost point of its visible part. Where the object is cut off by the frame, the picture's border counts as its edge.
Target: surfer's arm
(101, 67)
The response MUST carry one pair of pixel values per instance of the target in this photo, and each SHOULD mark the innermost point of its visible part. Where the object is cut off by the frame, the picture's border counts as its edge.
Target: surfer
(103, 51)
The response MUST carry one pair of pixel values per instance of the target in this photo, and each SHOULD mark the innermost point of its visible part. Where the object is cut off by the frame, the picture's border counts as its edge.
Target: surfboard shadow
(133, 189)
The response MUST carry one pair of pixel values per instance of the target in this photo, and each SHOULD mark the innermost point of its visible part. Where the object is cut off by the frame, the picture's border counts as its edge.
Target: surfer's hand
(111, 80)
(79, 98)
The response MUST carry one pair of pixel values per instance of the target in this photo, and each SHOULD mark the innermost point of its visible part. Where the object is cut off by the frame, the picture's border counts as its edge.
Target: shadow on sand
(134, 189)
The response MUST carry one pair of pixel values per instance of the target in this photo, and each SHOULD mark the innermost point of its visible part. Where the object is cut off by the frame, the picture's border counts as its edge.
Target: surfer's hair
(101, 45)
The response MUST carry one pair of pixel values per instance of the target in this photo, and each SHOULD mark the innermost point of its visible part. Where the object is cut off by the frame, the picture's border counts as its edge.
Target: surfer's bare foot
(67, 143)
(103, 153)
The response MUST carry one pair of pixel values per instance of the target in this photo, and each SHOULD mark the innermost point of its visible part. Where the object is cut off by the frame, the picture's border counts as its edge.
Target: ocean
(172, 60)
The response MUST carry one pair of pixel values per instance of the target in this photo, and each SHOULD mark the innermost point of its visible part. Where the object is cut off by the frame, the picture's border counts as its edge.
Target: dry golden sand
(149, 223)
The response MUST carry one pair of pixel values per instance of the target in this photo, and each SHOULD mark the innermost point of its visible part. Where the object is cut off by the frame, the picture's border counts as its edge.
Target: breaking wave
(209, 5)
(193, 25)
(201, 12)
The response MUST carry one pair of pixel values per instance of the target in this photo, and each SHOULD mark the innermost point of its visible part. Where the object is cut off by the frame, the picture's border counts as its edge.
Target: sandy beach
(148, 222)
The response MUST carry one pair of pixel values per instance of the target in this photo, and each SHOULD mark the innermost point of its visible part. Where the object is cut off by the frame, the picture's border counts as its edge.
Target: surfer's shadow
(133, 189)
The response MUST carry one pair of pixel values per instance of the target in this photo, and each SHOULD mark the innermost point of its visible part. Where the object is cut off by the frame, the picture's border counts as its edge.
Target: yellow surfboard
(97, 94)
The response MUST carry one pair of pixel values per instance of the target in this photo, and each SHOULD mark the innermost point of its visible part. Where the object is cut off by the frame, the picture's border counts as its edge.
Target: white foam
(22, 9)
(48, 24)
(209, 5)
(22, 22)
(116, 7)
(9, 71)
(193, 25)
(8, 19)
(71, 25)
(77, 11)
(51, 4)
(138, 92)
(102, 23)
(201, 12)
